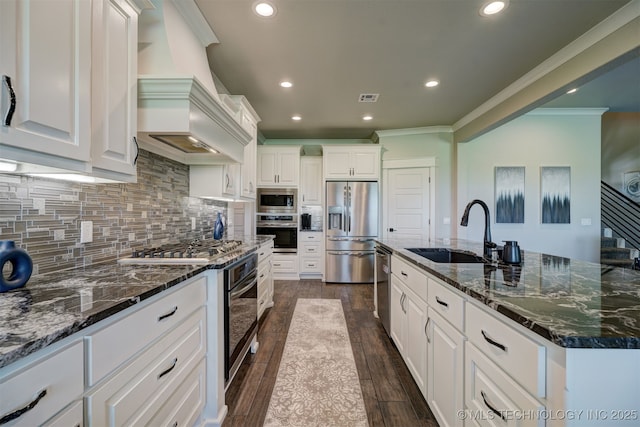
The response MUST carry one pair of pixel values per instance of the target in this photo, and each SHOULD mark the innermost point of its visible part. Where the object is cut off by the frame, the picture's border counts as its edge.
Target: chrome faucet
(488, 244)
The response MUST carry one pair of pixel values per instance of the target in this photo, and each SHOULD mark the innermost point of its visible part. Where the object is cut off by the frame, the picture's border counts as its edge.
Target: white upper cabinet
(351, 162)
(114, 80)
(278, 166)
(45, 62)
(310, 180)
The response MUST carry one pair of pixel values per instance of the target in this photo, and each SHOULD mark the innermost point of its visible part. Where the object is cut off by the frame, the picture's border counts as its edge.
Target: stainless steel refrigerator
(352, 225)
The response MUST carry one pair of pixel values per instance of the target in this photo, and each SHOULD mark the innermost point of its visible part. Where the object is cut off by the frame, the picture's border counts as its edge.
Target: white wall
(543, 137)
(436, 142)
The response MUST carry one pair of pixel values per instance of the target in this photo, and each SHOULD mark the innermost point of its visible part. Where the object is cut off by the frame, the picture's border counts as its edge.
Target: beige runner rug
(317, 382)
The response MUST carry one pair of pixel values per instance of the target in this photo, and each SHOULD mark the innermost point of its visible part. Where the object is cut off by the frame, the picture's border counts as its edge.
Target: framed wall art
(509, 186)
(555, 194)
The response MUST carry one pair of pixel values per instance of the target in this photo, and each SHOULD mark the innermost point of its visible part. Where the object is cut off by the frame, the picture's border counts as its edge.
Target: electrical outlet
(585, 221)
(86, 231)
(193, 223)
(446, 220)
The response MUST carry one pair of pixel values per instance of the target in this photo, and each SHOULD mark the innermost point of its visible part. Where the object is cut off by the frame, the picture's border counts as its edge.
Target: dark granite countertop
(55, 305)
(571, 303)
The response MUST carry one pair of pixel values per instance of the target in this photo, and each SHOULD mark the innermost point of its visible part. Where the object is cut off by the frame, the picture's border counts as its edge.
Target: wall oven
(277, 200)
(283, 227)
(241, 312)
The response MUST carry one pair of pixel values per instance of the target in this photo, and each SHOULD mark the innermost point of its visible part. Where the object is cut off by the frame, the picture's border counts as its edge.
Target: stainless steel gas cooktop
(191, 252)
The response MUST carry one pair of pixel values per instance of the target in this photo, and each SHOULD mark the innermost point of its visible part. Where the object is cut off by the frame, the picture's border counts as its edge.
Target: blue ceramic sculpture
(21, 266)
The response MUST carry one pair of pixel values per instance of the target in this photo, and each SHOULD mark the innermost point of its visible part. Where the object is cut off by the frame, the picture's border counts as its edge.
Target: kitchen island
(556, 336)
(58, 314)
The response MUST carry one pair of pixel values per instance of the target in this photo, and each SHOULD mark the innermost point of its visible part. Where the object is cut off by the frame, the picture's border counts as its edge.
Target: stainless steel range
(192, 252)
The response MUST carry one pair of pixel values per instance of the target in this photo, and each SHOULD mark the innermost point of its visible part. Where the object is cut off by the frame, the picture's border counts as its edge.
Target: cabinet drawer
(310, 237)
(410, 276)
(446, 303)
(264, 252)
(311, 249)
(73, 416)
(185, 405)
(491, 392)
(285, 265)
(151, 377)
(111, 346)
(522, 358)
(53, 382)
(310, 265)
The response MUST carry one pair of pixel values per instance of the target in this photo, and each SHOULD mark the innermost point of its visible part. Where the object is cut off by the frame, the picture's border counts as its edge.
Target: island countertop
(572, 303)
(55, 305)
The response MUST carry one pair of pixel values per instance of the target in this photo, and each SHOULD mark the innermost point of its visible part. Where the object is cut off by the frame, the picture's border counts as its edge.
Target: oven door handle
(244, 289)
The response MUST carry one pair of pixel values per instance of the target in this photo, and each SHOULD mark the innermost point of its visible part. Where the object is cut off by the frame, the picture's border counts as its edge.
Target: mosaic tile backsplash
(43, 216)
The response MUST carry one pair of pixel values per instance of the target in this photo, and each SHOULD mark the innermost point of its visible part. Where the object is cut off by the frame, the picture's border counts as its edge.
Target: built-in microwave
(277, 200)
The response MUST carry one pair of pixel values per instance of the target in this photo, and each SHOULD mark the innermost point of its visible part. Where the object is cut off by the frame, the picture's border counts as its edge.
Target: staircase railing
(621, 214)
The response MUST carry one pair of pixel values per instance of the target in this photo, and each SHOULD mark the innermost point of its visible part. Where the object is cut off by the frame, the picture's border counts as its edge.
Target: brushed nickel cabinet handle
(135, 159)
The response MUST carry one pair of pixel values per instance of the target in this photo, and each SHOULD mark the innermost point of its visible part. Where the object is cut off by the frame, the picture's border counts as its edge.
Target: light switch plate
(86, 231)
(585, 221)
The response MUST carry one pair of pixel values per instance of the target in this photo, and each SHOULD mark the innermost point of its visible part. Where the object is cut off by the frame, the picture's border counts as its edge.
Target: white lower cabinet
(445, 370)
(34, 394)
(493, 398)
(143, 386)
(311, 251)
(72, 416)
(408, 326)
(285, 266)
(265, 277)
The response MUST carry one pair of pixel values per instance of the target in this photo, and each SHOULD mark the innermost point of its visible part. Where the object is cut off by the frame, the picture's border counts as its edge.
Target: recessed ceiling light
(296, 118)
(432, 83)
(264, 9)
(286, 83)
(493, 7)
(367, 117)
(192, 139)
(574, 90)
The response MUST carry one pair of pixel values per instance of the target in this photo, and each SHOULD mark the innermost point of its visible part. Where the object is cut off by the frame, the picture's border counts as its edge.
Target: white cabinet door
(267, 167)
(351, 162)
(311, 180)
(445, 364)
(45, 52)
(278, 166)
(249, 166)
(113, 82)
(397, 314)
(415, 348)
(288, 168)
(366, 164)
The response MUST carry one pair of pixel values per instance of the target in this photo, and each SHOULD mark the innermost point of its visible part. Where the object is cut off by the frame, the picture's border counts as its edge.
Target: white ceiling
(334, 50)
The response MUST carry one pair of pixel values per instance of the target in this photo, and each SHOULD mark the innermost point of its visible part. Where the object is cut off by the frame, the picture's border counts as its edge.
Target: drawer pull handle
(169, 369)
(262, 275)
(175, 424)
(492, 342)
(404, 274)
(169, 314)
(19, 412)
(439, 301)
(12, 105)
(494, 410)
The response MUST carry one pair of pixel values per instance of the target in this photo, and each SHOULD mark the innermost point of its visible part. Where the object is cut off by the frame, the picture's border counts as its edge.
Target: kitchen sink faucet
(488, 244)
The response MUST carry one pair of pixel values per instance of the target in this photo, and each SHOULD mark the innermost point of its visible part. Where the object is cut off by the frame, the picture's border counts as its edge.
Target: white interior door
(408, 210)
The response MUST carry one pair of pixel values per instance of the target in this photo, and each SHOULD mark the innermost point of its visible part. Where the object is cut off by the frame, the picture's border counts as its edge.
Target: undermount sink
(447, 255)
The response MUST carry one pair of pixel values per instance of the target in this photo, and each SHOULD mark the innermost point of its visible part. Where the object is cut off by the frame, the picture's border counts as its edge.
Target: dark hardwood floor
(391, 396)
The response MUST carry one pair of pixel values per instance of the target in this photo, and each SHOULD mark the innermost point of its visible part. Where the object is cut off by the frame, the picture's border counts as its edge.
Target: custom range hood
(180, 114)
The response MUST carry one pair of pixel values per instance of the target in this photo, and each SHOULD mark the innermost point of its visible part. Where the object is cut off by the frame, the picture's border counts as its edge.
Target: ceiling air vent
(368, 97)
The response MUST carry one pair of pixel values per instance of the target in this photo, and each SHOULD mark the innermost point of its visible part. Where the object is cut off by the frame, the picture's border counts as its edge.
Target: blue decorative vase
(21, 266)
(218, 229)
